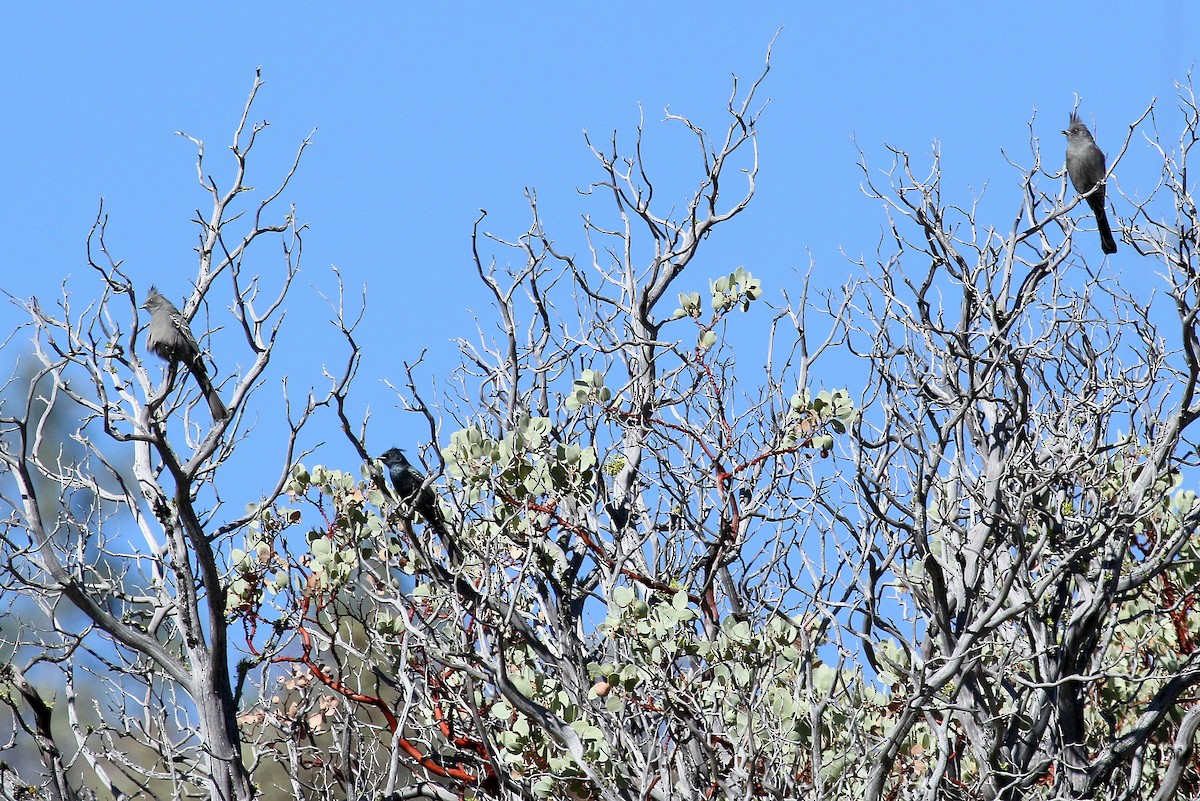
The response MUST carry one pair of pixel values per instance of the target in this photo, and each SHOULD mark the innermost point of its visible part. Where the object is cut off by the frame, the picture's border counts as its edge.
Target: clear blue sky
(426, 113)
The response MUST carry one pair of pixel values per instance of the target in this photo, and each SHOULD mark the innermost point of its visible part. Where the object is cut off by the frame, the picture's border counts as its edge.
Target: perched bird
(169, 336)
(1085, 166)
(407, 481)
(409, 485)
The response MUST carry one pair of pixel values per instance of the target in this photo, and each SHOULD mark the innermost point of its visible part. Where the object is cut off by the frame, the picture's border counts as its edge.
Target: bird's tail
(429, 509)
(1107, 243)
(219, 412)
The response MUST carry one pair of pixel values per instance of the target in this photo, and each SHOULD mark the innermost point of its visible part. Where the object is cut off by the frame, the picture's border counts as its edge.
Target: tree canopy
(644, 561)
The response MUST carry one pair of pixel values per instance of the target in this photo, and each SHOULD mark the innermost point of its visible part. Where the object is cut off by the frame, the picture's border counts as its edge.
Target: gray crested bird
(1086, 168)
(170, 337)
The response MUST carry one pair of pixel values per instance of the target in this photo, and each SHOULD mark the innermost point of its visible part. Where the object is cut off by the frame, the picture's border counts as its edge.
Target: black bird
(170, 337)
(408, 483)
(1085, 166)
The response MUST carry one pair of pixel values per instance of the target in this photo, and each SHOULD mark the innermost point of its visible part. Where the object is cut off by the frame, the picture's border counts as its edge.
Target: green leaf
(510, 741)
(680, 600)
(622, 596)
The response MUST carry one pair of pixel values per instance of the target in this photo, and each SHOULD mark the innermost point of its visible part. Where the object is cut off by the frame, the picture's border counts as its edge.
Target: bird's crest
(393, 455)
(150, 296)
